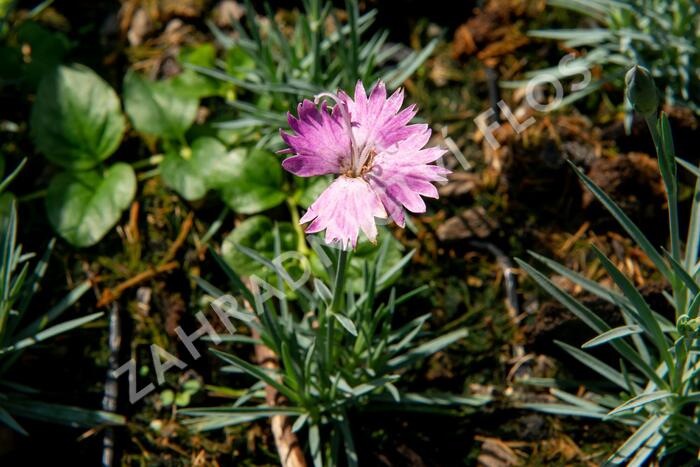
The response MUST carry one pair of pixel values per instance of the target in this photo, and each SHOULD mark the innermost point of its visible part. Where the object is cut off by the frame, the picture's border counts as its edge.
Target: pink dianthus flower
(380, 160)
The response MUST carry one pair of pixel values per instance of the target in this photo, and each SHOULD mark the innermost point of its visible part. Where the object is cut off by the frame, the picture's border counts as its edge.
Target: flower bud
(641, 90)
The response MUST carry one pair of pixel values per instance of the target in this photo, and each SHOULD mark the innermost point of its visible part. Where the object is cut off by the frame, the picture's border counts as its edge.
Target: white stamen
(366, 151)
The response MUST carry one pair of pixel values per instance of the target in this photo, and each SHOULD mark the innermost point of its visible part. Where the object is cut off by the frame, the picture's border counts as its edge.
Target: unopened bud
(641, 90)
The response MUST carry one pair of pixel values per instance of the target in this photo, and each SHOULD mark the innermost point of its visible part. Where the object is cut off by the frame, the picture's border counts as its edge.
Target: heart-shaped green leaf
(187, 171)
(84, 206)
(158, 107)
(256, 184)
(76, 120)
(206, 165)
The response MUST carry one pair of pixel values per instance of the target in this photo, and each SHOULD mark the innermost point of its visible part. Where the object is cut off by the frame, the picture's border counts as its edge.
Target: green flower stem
(671, 191)
(338, 294)
(339, 284)
(670, 187)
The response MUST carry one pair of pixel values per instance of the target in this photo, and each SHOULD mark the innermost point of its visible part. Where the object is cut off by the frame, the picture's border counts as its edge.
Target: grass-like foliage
(662, 35)
(338, 353)
(655, 386)
(18, 283)
(314, 57)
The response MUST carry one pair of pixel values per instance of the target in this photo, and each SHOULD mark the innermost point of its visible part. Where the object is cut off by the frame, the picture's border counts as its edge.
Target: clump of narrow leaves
(655, 386)
(662, 35)
(278, 68)
(338, 351)
(19, 330)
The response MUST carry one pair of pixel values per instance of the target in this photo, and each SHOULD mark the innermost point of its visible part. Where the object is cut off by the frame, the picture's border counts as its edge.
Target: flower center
(363, 169)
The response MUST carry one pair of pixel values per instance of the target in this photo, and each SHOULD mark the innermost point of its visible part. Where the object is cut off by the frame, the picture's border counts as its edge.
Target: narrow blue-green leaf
(50, 332)
(300, 422)
(578, 279)
(386, 277)
(688, 166)
(634, 442)
(564, 409)
(7, 180)
(683, 275)
(445, 399)
(693, 238)
(55, 311)
(640, 401)
(592, 320)
(426, 349)
(596, 365)
(646, 450)
(315, 445)
(216, 422)
(614, 333)
(409, 65)
(8, 419)
(348, 442)
(256, 372)
(234, 279)
(262, 410)
(626, 223)
(61, 414)
(575, 400)
(645, 314)
(347, 323)
(370, 386)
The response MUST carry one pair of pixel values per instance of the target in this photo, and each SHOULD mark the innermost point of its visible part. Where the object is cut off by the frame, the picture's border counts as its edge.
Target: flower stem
(338, 293)
(670, 184)
(339, 284)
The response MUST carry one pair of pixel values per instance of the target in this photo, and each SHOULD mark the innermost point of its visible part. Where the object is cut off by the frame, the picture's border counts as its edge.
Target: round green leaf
(256, 233)
(167, 397)
(187, 172)
(191, 386)
(182, 175)
(183, 399)
(255, 183)
(84, 206)
(158, 107)
(206, 165)
(76, 121)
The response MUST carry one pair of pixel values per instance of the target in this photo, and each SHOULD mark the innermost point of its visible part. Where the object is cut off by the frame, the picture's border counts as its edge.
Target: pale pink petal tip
(345, 208)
